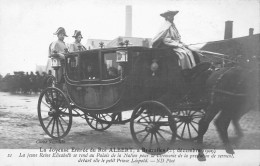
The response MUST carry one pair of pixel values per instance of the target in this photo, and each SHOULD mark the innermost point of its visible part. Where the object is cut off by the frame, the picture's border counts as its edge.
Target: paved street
(20, 129)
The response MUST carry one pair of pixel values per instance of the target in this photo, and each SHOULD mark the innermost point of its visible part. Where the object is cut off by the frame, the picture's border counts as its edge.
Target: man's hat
(169, 13)
(77, 33)
(60, 30)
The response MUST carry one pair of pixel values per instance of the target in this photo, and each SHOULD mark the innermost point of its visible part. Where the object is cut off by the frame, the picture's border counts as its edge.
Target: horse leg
(211, 112)
(237, 127)
(222, 122)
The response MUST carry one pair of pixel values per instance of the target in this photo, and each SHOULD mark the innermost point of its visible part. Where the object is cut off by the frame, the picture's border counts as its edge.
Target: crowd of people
(24, 82)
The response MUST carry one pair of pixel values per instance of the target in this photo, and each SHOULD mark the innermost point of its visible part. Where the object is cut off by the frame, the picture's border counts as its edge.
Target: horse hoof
(201, 157)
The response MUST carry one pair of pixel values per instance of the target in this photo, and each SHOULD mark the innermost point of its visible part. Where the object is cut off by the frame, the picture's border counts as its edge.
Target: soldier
(77, 46)
(57, 48)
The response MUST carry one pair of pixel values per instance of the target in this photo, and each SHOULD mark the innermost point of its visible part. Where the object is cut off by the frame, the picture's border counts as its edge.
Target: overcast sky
(27, 26)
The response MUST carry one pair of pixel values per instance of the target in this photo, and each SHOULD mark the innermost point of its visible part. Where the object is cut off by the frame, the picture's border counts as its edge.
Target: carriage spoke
(46, 118)
(189, 130)
(150, 118)
(102, 125)
(193, 113)
(143, 118)
(53, 127)
(145, 137)
(161, 136)
(61, 125)
(52, 96)
(179, 125)
(58, 132)
(194, 127)
(138, 132)
(197, 116)
(46, 104)
(188, 112)
(156, 139)
(64, 120)
(49, 123)
(140, 111)
(63, 109)
(97, 124)
(195, 122)
(142, 124)
(92, 120)
(104, 117)
(168, 132)
(159, 119)
(47, 96)
(151, 141)
(183, 130)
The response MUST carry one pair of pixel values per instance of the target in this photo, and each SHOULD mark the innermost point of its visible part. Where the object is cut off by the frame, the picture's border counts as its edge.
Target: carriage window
(89, 67)
(111, 67)
(72, 68)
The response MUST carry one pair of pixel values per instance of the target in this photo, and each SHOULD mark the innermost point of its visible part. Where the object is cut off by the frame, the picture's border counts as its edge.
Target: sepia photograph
(129, 82)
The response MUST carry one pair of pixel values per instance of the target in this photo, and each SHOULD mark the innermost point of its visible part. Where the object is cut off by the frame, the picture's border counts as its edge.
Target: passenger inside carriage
(89, 66)
(112, 73)
(111, 68)
(90, 72)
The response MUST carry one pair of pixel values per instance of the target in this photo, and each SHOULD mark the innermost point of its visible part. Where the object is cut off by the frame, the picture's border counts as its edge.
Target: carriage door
(111, 78)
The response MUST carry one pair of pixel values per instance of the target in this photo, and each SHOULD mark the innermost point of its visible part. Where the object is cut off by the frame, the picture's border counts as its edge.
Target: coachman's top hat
(77, 33)
(169, 13)
(60, 30)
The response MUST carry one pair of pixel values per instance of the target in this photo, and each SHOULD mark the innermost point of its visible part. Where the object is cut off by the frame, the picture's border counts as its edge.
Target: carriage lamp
(154, 66)
(55, 63)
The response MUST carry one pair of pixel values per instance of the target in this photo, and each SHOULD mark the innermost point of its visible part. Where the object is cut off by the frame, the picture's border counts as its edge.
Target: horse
(231, 92)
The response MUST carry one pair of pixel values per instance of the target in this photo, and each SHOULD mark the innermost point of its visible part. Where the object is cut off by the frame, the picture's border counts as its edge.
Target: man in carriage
(189, 61)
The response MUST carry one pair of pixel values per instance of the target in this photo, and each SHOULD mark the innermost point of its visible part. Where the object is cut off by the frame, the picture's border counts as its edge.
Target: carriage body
(117, 79)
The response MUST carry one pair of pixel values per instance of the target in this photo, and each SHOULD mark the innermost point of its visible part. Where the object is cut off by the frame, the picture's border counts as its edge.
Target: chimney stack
(251, 31)
(228, 29)
(128, 21)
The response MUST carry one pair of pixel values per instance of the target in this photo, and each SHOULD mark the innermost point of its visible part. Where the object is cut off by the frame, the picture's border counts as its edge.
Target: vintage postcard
(129, 82)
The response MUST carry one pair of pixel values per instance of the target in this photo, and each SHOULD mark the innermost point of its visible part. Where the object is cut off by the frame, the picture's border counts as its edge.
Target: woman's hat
(60, 30)
(77, 33)
(169, 13)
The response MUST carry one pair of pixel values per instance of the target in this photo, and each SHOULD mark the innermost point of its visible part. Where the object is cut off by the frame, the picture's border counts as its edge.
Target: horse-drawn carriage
(100, 84)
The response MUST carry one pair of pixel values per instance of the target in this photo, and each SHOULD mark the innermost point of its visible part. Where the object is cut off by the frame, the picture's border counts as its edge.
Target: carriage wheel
(187, 123)
(96, 124)
(54, 113)
(152, 127)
